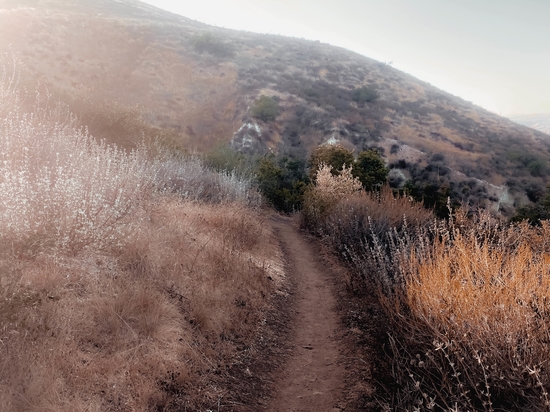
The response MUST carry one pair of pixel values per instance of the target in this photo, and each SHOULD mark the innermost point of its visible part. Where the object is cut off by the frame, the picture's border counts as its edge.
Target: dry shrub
(328, 190)
(115, 292)
(192, 179)
(370, 231)
(467, 302)
(471, 329)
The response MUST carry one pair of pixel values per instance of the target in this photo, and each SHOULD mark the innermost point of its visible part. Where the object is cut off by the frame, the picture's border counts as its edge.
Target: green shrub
(370, 169)
(208, 43)
(365, 94)
(336, 156)
(282, 182)
(223, 158)
(534, 213)
(265, 108)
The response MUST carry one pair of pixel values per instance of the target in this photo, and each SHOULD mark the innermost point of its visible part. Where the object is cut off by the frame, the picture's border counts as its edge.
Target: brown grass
(471, 328)
(127, 283)
(467, 302)
(137, 328)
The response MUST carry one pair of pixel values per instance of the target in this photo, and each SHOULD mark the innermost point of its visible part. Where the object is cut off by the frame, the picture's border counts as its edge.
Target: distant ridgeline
(197, 85)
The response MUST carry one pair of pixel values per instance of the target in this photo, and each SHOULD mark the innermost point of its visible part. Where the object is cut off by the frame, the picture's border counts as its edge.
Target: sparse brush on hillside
(466, 301)
(128, 280)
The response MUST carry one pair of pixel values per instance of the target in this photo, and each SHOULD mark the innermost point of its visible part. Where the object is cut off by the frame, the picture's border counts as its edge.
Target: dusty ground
(313, 377)
(320, 346)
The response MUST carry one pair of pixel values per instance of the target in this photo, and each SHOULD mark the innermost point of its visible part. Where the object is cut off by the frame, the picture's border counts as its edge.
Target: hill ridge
(199, 84)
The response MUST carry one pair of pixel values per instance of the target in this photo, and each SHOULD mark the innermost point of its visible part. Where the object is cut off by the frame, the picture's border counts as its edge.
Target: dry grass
(471, 328)
(467, 302)
(126, 282)
(138, 327)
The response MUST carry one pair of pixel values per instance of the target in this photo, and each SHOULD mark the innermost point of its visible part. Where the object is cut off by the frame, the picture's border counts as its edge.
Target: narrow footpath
(313, 377)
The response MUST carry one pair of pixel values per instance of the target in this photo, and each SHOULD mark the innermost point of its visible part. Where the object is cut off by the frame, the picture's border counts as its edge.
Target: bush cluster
(209, 43)
(284, 180)
(365, 94)
(110, 264)
(466, 300)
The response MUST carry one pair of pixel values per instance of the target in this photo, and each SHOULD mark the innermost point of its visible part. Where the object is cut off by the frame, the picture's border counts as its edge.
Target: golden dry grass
(471, 324)
(135, 328)
(128, 279)
(468, 302)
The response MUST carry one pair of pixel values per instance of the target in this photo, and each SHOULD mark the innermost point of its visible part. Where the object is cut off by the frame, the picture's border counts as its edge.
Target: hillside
(196, 86)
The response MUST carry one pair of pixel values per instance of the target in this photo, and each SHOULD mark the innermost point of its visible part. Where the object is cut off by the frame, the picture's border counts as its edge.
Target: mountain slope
(199, 83)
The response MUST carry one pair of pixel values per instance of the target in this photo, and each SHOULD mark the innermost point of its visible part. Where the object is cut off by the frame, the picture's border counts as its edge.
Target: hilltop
(197, 85)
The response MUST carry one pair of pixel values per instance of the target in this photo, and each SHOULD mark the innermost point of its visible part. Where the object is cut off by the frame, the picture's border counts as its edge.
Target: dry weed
(117, 290)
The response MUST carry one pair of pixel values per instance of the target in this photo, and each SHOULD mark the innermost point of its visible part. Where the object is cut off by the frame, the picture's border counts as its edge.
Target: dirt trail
(312, 378)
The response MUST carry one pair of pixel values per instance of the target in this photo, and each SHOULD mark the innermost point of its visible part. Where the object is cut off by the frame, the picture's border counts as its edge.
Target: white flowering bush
(193, 180)
(60, 188)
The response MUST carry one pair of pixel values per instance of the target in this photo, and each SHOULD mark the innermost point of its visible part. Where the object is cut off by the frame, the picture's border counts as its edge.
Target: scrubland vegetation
(465, 299)
(130, 280)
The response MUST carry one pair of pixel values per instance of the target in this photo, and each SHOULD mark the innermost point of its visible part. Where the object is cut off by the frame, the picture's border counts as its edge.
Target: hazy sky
(495, 53)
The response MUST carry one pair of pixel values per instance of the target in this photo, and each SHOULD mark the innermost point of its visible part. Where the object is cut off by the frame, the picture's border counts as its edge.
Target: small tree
(370, 169)
(282, 182)
(336, 156)
(265, 108)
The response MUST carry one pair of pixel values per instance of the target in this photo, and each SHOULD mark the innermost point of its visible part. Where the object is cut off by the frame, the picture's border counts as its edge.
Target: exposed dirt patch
(313, 377)
(320, 345)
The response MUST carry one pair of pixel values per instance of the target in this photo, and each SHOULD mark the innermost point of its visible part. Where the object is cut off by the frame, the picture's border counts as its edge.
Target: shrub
(223, 158)
(282, 182)
(336, 156)
(322, 196)
(265, 108)
(208, 43)
(466, 302)
(370, 169)
(63, 189)
(534, 213)
(189, 177)
(365, 94)
(471, 329)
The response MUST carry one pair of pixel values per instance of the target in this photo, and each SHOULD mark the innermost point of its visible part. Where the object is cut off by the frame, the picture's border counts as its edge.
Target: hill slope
(198, 83)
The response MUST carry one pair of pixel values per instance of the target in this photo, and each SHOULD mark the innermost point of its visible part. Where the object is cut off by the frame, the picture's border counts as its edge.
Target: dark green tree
(282, 181)
(536, 212)
(208, 43)
(370, 169)
(332, 155)
(433, 196)
(365, 94)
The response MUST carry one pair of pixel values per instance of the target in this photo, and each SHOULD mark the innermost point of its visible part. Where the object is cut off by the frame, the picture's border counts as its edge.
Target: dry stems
(467, 300)
(124, 282)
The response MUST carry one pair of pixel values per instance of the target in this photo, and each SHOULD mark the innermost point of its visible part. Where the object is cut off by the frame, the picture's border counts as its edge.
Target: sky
(494, 53)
